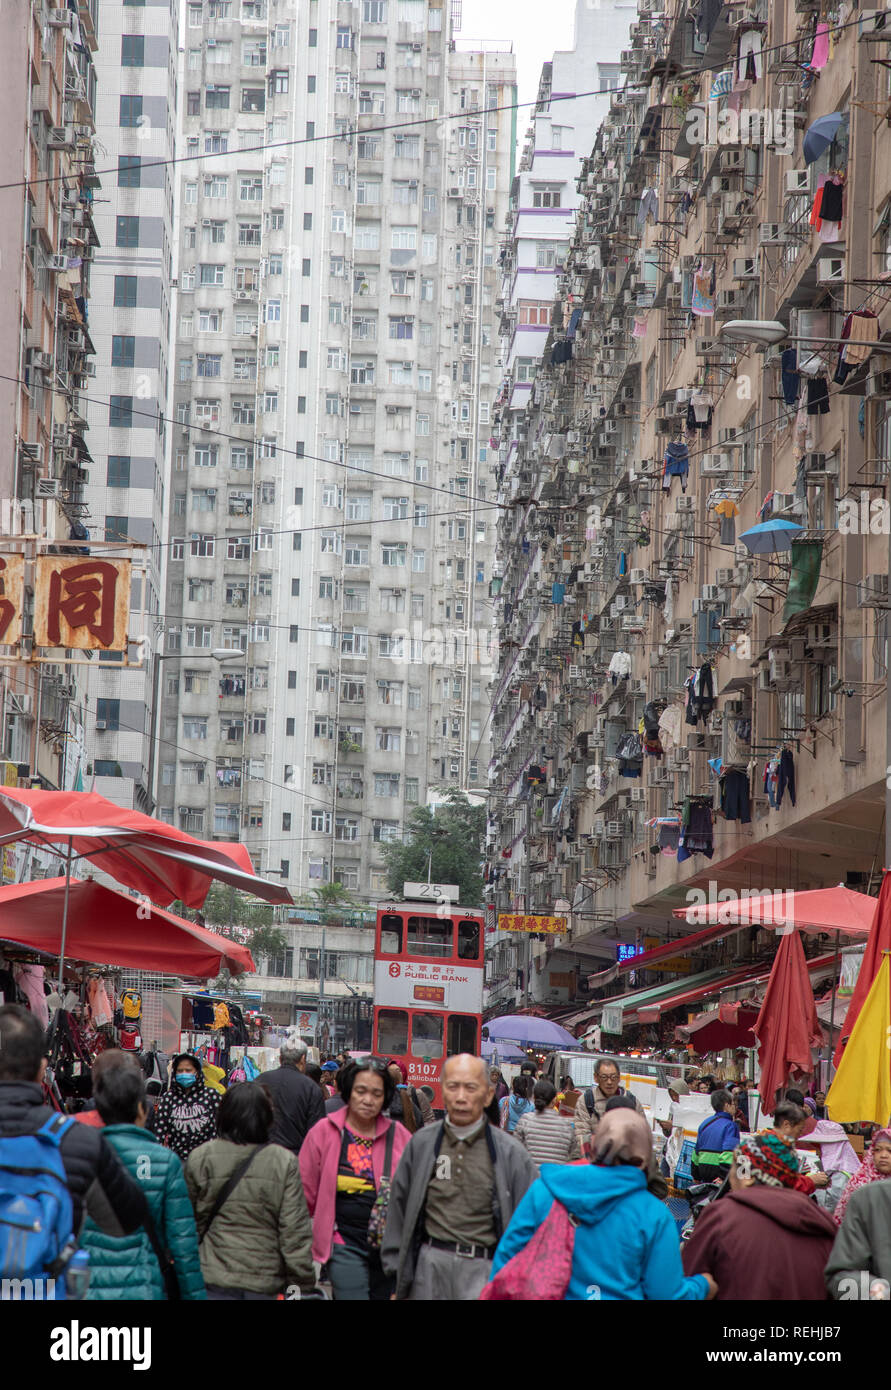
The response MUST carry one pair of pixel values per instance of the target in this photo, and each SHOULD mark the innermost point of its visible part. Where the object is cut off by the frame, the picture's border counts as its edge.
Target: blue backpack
(36, 1215)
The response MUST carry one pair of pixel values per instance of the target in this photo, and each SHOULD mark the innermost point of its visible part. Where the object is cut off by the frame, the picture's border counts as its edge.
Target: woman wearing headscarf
(186, 1114)
(875, 1168)
(837, 1159)
(764, 1239)
(862, 1250)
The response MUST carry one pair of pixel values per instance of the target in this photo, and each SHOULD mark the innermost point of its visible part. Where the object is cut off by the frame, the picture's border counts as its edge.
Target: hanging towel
(820, 55)
(807, 557)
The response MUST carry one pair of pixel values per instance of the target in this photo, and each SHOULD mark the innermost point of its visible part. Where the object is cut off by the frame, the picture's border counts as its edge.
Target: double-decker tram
(428, 987)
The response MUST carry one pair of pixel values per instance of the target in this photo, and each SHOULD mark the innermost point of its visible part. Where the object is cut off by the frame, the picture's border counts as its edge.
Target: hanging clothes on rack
(735, 799)
(863, 325)
(676, 464)
(630, 755)
(700, 688)
(702, 301)
(671, 725)
(790, 377)
(557, 593)
(697, 829)
(699, 411)
(749, 58)
(818, 395)
(728, 511)
(786, 776)
(650, 730)
(619, 667)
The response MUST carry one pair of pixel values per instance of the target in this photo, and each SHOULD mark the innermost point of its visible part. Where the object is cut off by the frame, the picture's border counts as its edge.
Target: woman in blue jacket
(716, 1139)
(626, 1244)
(123, 1267)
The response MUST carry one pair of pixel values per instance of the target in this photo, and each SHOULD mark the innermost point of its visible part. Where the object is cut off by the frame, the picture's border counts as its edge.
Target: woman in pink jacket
(343, 1160)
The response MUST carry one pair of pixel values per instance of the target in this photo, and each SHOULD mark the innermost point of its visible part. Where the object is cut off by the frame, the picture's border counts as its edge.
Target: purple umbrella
(506, 1052)
(528, 1031)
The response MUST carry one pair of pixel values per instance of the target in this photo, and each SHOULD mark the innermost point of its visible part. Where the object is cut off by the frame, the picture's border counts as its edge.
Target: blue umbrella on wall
(819, 136)
(770, 537)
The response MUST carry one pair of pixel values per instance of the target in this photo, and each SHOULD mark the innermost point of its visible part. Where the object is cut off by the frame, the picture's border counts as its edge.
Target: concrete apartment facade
(331, 532)
(131, 323)
(681, 230)
(47, 107)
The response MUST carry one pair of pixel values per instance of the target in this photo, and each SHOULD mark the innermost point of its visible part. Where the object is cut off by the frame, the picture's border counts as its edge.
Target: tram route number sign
(432, 892)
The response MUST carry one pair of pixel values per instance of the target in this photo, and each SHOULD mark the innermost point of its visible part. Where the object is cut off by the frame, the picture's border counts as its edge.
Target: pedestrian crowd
(343, 1177)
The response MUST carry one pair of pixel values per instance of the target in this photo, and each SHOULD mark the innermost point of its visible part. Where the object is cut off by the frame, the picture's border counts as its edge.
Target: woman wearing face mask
(343, 1161)
(186, 1114)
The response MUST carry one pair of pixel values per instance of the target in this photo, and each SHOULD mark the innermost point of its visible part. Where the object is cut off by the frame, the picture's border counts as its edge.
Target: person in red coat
(765, 1239)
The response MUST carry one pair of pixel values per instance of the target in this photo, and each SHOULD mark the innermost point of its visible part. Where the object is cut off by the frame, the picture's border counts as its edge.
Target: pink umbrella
(787, 1026)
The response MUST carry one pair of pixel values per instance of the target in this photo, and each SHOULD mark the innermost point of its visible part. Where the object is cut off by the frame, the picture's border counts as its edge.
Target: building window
(120, 412)
(547, 195)
(116, 528)
(123, 350)
(127, 231)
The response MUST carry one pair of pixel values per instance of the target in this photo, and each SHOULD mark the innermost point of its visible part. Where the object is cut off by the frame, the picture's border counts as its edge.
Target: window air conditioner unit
(715, 463)
(729, 299)
(745, 268)
(831, 270)
(732, 161)
(725, 577)
(55, 263)
(821, 635)
(798, 180)
(697, 606)
(637, 576)
(685, 504)
(710, 593)
(46, 487)
(614, 830)
(709, 347)
(878, 386)
(638, 794)
(872, 592)
(783, 501)
(772, 234)
(101, 726)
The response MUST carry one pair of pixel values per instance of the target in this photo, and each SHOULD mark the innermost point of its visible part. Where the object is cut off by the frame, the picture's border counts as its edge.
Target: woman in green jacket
(124, 1267)
(257, 1241)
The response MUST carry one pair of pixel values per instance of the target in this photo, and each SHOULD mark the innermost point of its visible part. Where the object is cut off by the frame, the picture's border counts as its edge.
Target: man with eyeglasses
(455, 1190)
(592, 1105)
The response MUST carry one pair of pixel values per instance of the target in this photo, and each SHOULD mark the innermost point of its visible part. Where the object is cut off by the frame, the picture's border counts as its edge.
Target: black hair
(118, 1092)
(521, 1086)
(313, 1071)
(245, 1115)
(567, 1083)
(624, 1102)
(794, 1096)
(790, 1112)
(528, 1069)
(720, 1098)
(606, 1062)
(22, 1044)
(378, 1066)
(543, 1093)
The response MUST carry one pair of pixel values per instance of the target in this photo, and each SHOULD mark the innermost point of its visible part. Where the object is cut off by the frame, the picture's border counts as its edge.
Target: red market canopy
(155, 859)
(109, 928)
(729, 1025)
(878, 942)
(813, 910)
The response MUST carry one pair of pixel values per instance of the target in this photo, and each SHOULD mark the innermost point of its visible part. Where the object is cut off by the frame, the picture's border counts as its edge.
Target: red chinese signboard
(82, 603)
(12, 577)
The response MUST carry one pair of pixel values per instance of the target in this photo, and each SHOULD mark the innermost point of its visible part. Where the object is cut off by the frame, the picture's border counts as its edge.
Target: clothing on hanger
(790, 377)
(676, 464)
(700, 689)
(817, 396)
(697, 829)
(786, 776)
(735, 800)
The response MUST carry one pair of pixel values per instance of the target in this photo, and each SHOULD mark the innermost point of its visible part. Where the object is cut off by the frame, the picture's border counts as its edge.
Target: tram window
(461, 1034)
(391, 934)
(468, 940)
(392, 1032)
(426, 1035)
(430, 936)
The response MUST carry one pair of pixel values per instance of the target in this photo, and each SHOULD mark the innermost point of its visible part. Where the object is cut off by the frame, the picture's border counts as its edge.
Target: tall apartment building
(573, 98)
(47, 240)
(335, 365)
(129, 480)
(680, 232)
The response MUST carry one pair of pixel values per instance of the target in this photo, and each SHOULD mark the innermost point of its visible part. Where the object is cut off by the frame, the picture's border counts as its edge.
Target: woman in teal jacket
(626, 1245)
(123, 1267)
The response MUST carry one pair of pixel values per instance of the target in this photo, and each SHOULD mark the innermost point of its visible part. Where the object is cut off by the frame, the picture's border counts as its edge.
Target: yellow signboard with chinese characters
(12, 586)
(82, 603)
(553, 926)
(680, 965)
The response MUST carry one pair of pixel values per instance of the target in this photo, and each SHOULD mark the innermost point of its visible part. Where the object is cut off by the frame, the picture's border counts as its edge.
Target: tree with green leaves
(243, 919)
(450, 840)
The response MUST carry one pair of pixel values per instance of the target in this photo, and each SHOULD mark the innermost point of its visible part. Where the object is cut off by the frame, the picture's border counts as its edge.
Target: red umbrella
(140, 852)
(109, 928)
(155, 859)
(878, 941)
(787, 1026)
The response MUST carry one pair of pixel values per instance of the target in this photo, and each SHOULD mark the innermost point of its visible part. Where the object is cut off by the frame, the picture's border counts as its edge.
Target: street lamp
(222, 654)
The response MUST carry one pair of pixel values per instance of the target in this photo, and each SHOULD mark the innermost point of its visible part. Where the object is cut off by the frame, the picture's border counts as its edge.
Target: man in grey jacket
(454, 1192)
(861, 1254)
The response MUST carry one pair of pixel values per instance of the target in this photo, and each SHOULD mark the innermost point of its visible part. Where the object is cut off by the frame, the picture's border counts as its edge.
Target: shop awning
(110, 928)
(676, 994)
(729, 1025)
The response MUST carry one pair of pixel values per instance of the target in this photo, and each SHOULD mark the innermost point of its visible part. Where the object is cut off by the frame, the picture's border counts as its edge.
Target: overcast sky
(535, 27)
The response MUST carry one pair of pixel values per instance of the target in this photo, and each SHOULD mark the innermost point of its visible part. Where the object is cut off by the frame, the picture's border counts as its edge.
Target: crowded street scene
(445, 737)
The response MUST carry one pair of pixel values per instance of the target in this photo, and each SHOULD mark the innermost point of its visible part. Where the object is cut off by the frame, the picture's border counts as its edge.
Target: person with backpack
(593, 1231)
(346, 1162)
(161, 1259)
(254, 1231)
(517, 1104)
(716, 1139)
(79, 1171)
(590, 1109)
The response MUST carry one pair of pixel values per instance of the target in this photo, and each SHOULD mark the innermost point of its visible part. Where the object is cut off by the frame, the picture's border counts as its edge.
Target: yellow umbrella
(862, 1086)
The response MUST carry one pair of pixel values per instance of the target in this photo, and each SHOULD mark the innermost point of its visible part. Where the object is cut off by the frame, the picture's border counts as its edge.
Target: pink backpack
(542, 1268)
